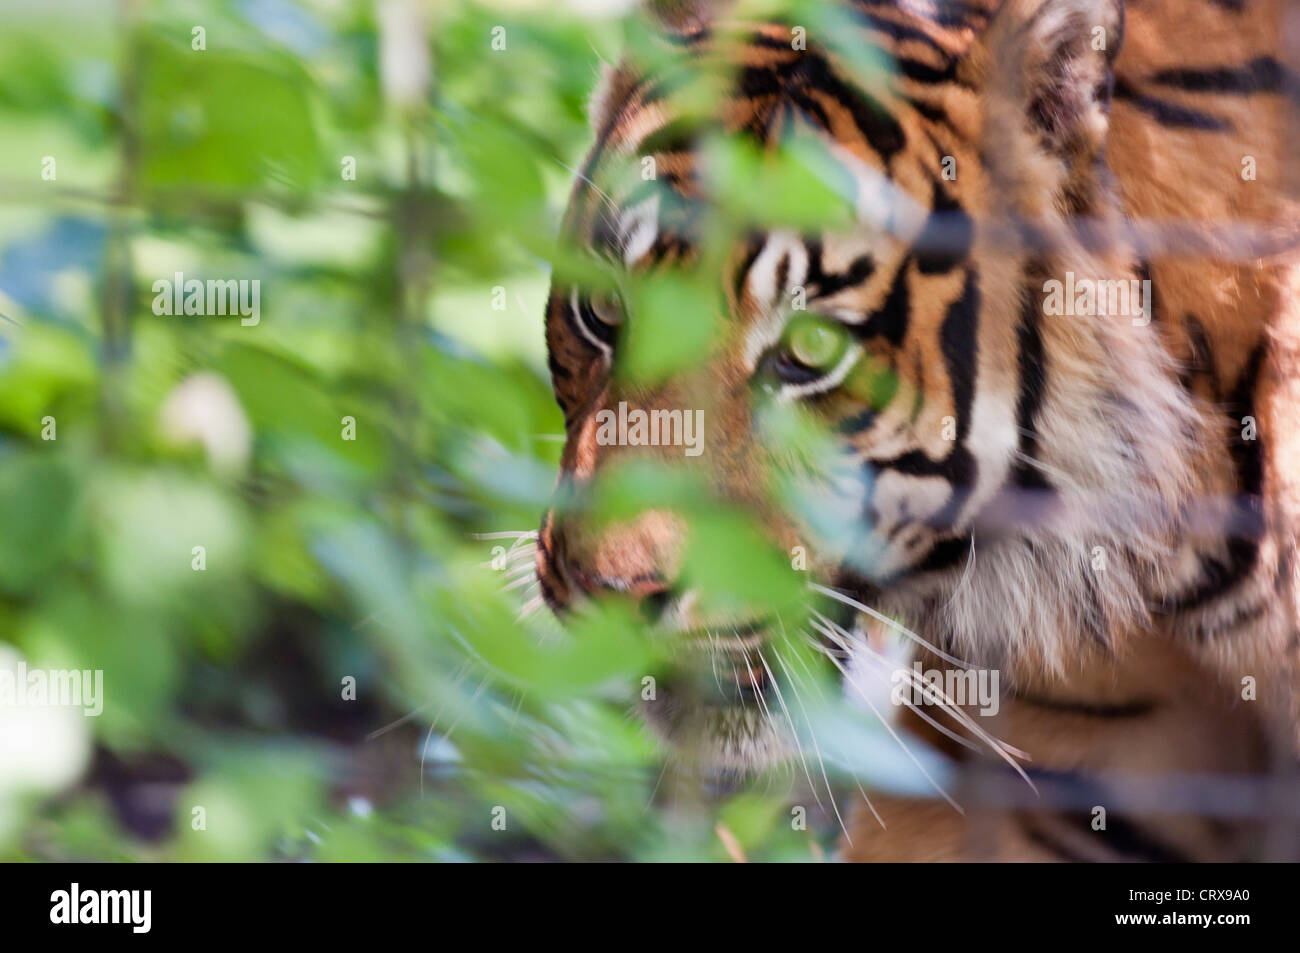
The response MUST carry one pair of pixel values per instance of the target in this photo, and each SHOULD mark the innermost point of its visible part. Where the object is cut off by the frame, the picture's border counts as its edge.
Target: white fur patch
(638, 227)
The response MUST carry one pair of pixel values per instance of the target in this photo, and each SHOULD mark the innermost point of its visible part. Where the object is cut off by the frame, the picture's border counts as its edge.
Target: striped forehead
(828, 269)
(650, 194)
(655, 197)
(778, 94)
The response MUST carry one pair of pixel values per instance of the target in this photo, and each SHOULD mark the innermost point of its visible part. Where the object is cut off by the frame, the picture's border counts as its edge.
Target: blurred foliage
(325, 558)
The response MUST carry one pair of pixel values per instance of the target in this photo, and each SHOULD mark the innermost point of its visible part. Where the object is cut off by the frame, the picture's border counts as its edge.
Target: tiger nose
(651, 594)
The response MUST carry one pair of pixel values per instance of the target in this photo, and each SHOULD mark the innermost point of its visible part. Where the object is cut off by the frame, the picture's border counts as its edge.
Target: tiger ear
(1048, 81)
(685, 18)
(672, 22)
(616, 82)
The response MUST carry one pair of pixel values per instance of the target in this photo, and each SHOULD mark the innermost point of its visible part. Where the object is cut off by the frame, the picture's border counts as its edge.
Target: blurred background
(274, 532)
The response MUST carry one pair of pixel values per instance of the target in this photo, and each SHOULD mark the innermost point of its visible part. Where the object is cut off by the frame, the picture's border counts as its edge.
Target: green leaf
(225, 119)
(37, 500)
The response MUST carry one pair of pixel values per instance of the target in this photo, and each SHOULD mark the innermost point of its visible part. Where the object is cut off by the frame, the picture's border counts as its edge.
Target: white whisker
(813, 735)
(861, 790)
(942, 729)
(521, 581)
(794, 734)
(946, 703)
(908, 751)
(881, 617)
(424, 748)
(530, 608)
(965, 574)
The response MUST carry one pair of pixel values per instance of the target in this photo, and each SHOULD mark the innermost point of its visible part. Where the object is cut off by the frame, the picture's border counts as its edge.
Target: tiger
(1101, 506)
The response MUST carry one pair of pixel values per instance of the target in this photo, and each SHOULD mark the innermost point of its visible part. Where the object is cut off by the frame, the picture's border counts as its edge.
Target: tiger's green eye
(816, 343)
(608, 308)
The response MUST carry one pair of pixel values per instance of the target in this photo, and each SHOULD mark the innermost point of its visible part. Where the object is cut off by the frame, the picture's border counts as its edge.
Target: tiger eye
(816, 344)
(608, 308)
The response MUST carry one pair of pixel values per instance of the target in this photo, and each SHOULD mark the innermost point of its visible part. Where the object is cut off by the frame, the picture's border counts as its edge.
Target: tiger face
(910, 335)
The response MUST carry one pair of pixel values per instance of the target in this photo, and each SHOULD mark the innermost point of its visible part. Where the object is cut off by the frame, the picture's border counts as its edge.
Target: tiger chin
(1071, 499)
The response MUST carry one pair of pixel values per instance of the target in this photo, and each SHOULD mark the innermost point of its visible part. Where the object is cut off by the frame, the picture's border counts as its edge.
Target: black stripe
(906, 32)
(815, 276)
(774, 43)
(1219, 576)
(911, 68)
(558, 371)
(1247, 518)
(859, 270)
(1144, 275)
(783, 273)
(680, 134)
(763, 122)
(1120, 836)
(1131, 709)
(1263, 74)
(662, 87)
(1092, 614)
(1200, 361)
(929, 111)
(811, 71)
(641, 86)
(1031, 362)
(898, 31)
(754, 245)
(891, 319)
(858, 422)
(761, 82)
(1167, 113)
(920, 72)
(1134, 843)
(1037, 834)
(945, 240)
(958, 345)
(944, 554)
(1243, 615)
(571, 321)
